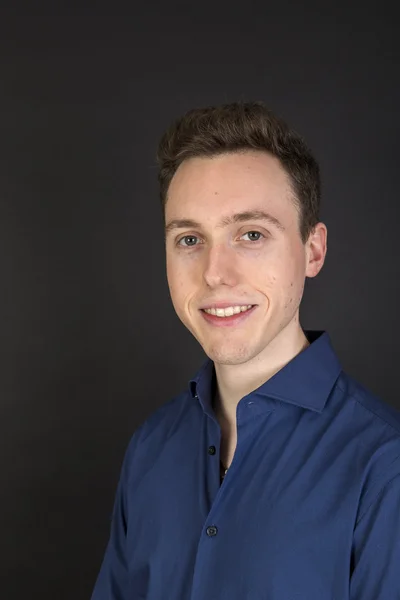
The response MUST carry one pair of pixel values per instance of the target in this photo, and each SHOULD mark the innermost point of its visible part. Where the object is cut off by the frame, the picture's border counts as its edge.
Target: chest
(286, 505)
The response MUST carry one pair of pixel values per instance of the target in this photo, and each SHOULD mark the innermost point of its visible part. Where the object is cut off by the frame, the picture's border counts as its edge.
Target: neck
(233, 382)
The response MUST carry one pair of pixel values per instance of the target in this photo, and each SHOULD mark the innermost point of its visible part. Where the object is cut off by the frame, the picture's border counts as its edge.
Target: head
(240, 193)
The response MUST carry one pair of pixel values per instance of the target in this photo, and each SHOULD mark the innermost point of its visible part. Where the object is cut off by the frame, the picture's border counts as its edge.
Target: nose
(220, 266)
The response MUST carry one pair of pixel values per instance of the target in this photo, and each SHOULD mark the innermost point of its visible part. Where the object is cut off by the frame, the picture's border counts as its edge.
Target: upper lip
(225, 304)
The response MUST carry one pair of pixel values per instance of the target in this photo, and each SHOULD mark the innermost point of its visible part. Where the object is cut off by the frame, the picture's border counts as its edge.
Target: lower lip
(228, 321)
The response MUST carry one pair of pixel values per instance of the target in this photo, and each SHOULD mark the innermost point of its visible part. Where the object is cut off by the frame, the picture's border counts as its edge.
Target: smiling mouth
(223, 317)
(229, 311)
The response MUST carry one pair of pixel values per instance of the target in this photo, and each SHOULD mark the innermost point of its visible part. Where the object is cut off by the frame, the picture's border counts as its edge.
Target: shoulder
(168, 415)
(374, 426)
(161, 424)
(368, 406)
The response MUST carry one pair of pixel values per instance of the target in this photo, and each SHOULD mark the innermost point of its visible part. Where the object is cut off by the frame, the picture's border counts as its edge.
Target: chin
(229, 355)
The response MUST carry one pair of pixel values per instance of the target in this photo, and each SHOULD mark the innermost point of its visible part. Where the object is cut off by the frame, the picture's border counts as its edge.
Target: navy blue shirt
(308, 510)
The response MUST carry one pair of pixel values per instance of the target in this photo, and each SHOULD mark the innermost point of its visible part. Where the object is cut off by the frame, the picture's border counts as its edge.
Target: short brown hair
(240, 126)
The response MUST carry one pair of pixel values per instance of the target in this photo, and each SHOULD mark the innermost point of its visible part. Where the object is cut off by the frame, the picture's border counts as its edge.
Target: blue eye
(187, 237)
(252, 233)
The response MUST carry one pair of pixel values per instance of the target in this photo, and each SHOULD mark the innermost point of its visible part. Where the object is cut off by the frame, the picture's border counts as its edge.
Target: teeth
(227, 312)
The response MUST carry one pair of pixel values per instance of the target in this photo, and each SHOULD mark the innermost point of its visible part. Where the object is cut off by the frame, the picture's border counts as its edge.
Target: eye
(190, 240)
(254, 236)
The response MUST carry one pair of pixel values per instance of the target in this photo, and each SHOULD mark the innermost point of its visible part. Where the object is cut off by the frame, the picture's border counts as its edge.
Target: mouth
(221, 317)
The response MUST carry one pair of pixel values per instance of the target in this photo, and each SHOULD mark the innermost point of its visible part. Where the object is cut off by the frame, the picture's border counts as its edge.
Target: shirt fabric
(308, 510)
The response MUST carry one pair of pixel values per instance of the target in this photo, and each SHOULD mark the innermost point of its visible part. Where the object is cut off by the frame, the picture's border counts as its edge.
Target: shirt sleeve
(376, 548)
(112, 580)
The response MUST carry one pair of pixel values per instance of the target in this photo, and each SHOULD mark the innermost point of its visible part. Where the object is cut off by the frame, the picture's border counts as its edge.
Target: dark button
(211, 530)
(211, 450)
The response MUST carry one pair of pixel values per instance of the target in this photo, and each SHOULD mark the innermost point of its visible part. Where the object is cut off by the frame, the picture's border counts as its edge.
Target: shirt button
(211, 530)
(211, 450)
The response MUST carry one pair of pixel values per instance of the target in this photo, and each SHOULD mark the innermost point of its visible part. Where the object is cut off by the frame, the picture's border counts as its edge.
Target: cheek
(294, 289)
(174, 281)
(176, 287)
(282, 281)
(182, 269)
(174, 271)
(179, 285)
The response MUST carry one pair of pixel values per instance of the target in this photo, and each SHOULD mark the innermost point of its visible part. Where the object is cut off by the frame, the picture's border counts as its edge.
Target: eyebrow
(248, 215)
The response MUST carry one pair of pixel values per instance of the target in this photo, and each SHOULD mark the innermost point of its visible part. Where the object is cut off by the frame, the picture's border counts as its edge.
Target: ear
(316, 248)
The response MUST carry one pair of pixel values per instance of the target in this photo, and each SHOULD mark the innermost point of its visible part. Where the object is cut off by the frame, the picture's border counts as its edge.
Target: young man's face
(215, 260)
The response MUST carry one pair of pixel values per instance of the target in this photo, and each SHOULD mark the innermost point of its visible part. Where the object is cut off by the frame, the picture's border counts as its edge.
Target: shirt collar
(305, 381)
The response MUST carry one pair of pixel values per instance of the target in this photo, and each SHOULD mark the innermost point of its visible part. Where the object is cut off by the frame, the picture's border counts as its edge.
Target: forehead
(208, 187)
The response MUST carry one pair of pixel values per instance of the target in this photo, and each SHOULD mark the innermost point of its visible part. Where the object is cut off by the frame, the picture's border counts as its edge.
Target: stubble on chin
(228, 354)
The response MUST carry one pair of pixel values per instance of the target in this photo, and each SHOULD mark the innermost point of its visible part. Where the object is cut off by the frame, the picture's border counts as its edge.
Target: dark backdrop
(89, 341)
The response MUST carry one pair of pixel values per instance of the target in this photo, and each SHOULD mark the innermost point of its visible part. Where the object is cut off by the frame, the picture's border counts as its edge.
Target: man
(275, 475)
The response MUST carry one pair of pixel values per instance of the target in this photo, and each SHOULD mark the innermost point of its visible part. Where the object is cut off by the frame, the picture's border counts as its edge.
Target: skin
(228, 264)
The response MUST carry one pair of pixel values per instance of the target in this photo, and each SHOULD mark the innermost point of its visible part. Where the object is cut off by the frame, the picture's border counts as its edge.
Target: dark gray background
(90, 344)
